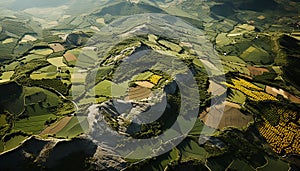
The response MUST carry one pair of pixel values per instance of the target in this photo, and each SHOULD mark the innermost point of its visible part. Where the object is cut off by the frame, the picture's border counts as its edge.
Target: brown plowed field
(231, 117)
(55, 128)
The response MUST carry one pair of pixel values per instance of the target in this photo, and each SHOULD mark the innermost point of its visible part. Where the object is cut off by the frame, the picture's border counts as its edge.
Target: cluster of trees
(50, 121)
(244, 145)
(9, 91)
(9, 136)
(53, 84)
(22, 70)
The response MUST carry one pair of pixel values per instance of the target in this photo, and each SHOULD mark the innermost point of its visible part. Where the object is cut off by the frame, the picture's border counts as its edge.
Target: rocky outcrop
(104, 159)
(55, 154)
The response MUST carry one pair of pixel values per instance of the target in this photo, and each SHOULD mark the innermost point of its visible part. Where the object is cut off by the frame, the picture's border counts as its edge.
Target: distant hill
(127, 8)
(291, 71)
(254, 5)
(24, 4)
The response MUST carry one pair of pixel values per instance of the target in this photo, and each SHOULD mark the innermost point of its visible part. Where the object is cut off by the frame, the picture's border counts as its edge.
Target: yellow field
(43, 52)
(100, 20)
(253, 92)
(6, 76)
(9, 40)
(155, 79)
(58, 62)
(283, 138)
(40, 76)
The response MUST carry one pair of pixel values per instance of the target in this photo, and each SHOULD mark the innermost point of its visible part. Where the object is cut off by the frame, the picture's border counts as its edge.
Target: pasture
(33, 124)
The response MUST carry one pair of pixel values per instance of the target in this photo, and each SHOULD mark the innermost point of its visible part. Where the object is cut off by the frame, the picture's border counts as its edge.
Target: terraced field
(138, 93)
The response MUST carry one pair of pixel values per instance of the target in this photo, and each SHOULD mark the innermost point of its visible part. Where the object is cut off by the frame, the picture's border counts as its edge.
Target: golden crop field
(285, 137)
(155, 79)
(253, 92)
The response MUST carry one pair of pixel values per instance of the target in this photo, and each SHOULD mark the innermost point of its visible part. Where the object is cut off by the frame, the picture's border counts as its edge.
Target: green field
(76, 126)
(198, 63)
(50, 75)
(41, 76)
(78, 78)
(232, 67)
(256, 56)
(3, 120)
(34, 94)
(274, 164)
(87, 55)
(101, 99)
(109, 89)
(142, 76)
(240, 165)
(1, 146)
(170, 45)
(7, 75)
(191, 150)
(34, 124)
(236, 96)
(14, 142)
(12, 66)
(50, 72)
(99, 74)
(200, 129)
(86, 100)
(76, 90)
(234, 59)
(44, 52)
(219, 162)
(178, 12)
(75, 52)
(234, 64)
(31, 57)
(162, 161)
(47, 69)
(39, 102)
(197, 129)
